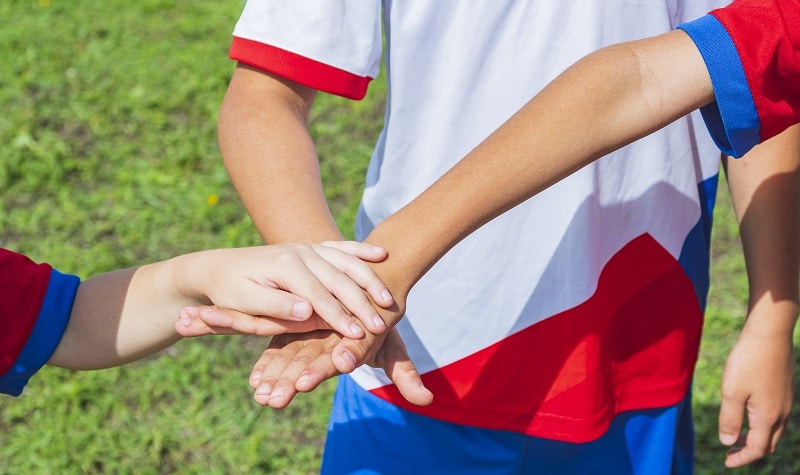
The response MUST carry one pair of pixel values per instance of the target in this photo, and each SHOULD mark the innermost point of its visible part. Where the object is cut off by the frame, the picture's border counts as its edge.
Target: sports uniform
(37, 301)
(562, 336)
(752, 51)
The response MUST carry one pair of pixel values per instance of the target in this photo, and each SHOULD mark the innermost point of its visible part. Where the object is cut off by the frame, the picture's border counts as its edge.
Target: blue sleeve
(47, 332)
(732, 119)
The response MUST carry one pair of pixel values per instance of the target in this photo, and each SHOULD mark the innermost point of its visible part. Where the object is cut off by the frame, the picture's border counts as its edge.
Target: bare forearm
(121, 316)
(765, 189)
(602, 103)
(271, 159)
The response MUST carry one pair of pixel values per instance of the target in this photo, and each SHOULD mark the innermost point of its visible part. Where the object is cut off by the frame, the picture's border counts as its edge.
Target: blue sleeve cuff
(47, 332)
(732, 120)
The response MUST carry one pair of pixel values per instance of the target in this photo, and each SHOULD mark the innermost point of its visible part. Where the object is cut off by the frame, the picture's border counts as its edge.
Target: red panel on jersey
(632, 345)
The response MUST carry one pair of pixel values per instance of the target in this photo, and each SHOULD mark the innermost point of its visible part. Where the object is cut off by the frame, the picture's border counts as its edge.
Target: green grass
(109, 159)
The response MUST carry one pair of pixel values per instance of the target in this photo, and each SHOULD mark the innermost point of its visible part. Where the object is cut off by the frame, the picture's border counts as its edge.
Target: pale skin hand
(124, 315)
(330, 277)
(757, 383)
(295, 362)
(299, 363)
(210, 320)
(758, 380)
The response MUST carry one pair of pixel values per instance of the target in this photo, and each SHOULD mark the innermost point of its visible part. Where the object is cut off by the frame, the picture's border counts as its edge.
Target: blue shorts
(367, 434)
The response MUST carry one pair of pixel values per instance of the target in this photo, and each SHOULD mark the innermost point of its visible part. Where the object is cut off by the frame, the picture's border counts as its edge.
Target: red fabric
(299, 69)
(23, 285)
(632, 345)
(767, 36)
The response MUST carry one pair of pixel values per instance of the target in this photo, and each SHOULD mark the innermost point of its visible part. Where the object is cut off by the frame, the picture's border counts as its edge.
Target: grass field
(109, 159)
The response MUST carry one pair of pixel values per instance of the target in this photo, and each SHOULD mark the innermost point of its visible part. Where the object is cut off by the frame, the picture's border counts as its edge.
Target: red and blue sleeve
(37, 302)
(752, 51)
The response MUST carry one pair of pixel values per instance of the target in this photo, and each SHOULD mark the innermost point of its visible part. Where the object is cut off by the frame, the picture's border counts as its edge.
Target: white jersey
(594, 288)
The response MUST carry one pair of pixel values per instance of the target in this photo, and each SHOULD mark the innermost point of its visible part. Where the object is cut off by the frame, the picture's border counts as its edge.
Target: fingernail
(255, 377)
(303, 379)
(378, 321)
(727, 439)
(301, 310)
(208, 311)
(356, 330)
(279, 393)
(378, 249)
(264, 390)
(192, 311)
(350, 358)
(186, 322)
(387, 296)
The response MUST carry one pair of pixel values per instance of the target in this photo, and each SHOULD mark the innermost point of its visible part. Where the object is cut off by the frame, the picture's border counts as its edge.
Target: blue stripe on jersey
(50, 326)
(695, 254)
(368, 435)
(732, 120)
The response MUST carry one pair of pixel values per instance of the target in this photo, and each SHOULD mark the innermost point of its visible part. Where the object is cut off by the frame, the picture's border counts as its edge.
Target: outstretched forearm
(119, 317)
(124, 315)
(605, 101)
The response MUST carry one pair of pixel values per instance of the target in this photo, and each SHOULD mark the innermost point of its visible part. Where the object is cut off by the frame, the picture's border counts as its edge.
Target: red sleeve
(766, 34)
(752, 51)
(23, 285)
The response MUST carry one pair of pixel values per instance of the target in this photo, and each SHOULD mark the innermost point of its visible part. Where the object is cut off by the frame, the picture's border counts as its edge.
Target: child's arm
(758, 379)
(114, 318)
(124, 315)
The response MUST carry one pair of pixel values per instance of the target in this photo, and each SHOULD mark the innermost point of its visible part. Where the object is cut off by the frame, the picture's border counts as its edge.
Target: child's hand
(758, 382)
(296, 281)
(300, 362)
(200, 321)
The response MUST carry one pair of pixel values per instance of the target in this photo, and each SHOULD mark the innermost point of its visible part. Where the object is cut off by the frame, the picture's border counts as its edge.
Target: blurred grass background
(109, 159)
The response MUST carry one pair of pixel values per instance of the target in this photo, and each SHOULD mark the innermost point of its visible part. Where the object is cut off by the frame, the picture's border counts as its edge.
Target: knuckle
(278, 358)
(303, 360)
(285, 257)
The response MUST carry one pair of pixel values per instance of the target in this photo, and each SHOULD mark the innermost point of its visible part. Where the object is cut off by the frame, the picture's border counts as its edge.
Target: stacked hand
(317, 311)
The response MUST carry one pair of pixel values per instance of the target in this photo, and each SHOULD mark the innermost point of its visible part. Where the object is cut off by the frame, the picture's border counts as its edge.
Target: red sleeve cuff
(300, 69)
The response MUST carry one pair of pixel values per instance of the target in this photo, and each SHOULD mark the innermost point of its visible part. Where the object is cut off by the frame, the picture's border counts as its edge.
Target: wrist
(186, 277)
(771, 320)
(409, 254)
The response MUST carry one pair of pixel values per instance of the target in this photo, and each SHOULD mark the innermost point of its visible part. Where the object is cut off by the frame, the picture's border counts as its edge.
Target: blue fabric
(47, 333)
(368, 435)
(696, 251)
(733, 119)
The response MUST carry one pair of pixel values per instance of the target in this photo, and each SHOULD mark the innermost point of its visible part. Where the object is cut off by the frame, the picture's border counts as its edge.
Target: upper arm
(252, 91)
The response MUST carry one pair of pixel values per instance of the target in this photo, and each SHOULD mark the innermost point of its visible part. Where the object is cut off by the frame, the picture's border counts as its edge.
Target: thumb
(394, 360)
(731, 417)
